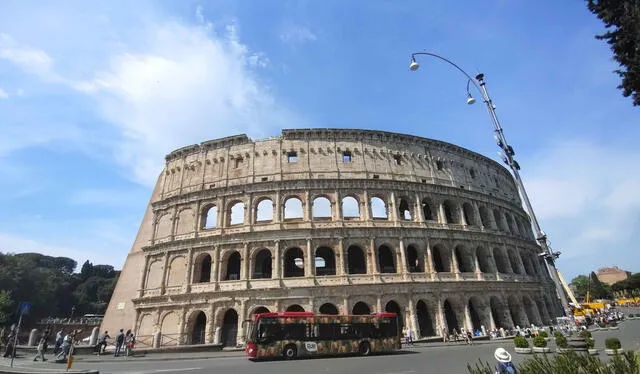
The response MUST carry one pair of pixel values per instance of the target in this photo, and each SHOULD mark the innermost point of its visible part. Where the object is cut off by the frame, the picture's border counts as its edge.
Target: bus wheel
(365, 349)
(290, 352)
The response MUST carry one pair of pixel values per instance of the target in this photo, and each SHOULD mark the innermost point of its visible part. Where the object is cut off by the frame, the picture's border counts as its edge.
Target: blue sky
(94, 94)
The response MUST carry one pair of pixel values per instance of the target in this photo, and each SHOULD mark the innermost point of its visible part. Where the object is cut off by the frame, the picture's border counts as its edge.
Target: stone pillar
(403, 257)
(188, 276)
(454, 263)
(309, 262)
(245, 270)
(143, 278)
(93, 339)
(277, 261)
(208, 329)
(222, 214)
(157, 339)
(215, 273)
(241, 318)
(420, 212)
(442, 321)
(338, 207)
(184, 337)
(340, 258)
(413, 319)
(246, 218)
(367, 206)
(276, 208)
(463, 219)
(379, 308)
(442, 217)
(165, 272)
(467, 317)
(393, 213)
(476, 262)
(345, 306)
(217, 335)
(372, 257)
(429, 268)
(306, 207)
(476, 211)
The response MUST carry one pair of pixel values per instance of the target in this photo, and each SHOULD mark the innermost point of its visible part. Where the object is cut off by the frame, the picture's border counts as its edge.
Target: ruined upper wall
(320, 154)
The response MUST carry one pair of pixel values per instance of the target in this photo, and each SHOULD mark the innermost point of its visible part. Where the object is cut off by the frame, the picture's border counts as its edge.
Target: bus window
(295, 331)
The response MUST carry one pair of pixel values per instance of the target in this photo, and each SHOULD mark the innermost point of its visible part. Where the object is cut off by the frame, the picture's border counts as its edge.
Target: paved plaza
(421, 358)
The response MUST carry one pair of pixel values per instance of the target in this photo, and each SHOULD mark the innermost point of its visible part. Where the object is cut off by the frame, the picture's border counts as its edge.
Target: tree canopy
(628, 287)
(52, 287)
(597, 290)
(622, 21)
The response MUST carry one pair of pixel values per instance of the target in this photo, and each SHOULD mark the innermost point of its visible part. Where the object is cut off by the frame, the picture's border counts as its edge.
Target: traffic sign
(25, 307)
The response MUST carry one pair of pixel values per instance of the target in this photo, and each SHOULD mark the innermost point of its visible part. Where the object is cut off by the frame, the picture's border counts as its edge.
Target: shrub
(585, 334)
(561, 341)
(613, 323)
(631, 315)
(539, 341)
(557, 333)
(602, 324)
(543, 333)
(612, 343)
(520, 342)
(590, 343)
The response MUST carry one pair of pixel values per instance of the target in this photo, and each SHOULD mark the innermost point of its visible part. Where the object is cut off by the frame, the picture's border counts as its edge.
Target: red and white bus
(298, 334)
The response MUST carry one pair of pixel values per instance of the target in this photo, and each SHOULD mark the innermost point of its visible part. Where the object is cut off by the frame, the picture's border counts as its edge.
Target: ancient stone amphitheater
(330, 221)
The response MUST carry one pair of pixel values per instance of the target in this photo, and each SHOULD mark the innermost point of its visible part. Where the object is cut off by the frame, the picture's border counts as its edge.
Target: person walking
(119, 343)
(445, 335)
(504, 366)
(9, 350)
(407, 336)
(41, 348)
(130, 341)
(102, 342)
(58, 342)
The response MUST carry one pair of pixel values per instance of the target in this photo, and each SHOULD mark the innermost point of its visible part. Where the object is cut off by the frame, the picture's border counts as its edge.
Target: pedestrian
(119, 343)
(41, 348)
(58, 342)
(407, 336)
(445, 335)
(3, 337)
(9, 350)
(469, 337)
(130, 341)
(102, 342)
(504, 365)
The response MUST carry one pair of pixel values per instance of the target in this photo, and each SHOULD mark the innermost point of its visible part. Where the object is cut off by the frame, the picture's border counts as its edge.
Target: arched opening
(531, 311)
(328, 308)
(199, 323)
(263, 265)
(450, 317)
(293, 208)
(237, 214)
(260, 310)
(404, 210)
(510, 223)
(393, 307)
(210, 217)
(497, 217)
(414, 263)
(385, 260)
(350, 207)
(450, 212)
(427, 210)
(378, 208)
(465, 262)
(513, 260)
(519, 226)
(543, 312)
(264, 211)
(484, 260)
(469, 214)
(295, 308)
(356, 263)
(233, 267)
(485, 219)
(360, 308)
(202, 268)
(501, 315)
(478, 313)
(441, 262)
(517, 313)
(526, 262)
(501, 261)
(321, 208)
(325, 261)
(425, 320)
(293, 263)
(229, 332)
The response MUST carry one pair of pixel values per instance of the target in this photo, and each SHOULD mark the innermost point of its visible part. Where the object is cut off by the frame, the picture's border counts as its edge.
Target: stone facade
(612, 275)
(330, 221)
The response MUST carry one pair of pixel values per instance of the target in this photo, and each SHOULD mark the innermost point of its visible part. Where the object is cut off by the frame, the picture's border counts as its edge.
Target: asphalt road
(418, 359)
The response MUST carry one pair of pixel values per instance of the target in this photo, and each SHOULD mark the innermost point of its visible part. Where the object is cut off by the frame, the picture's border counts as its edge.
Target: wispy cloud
(29, 59)
(297, 34)
(3, 94)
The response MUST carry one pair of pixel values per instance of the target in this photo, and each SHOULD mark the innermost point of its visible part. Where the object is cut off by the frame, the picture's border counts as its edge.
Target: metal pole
(541, 237)
(15, 339)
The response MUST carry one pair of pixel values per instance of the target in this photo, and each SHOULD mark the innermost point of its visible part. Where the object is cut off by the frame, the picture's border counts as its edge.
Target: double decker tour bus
(298, 334)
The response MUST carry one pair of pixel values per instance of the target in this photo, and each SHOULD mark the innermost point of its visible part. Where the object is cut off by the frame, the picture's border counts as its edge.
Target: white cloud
(586, 196)
(296, 34)
(31, 60)
(107, 197)
(3, 94)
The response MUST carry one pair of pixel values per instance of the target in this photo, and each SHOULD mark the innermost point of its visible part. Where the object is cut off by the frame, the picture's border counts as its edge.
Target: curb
(150, 358)
(32, 371)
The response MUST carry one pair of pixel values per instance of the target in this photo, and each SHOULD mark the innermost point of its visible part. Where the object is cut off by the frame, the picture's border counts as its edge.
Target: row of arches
(426, 317)
(446, 211)
(384, 259)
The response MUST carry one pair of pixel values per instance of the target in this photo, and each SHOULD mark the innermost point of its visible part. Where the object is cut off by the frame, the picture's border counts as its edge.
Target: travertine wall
(330, 220)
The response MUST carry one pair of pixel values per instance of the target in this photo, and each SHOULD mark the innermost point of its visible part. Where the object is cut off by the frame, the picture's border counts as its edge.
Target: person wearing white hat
(504, 362)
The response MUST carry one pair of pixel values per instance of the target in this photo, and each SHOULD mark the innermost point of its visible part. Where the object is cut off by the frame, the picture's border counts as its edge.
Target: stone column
(393, 213)
(372, 257)
(208, 328)
(247, 213)
(183, 337)
(215, 274)
(442, 321)
(454, 263)
(492, 323)
(467, 317)
(463, 219)
(413, 319)
(222, 214)
(340, 258)
(306, 207)
(429, 261)
(476, 262)
(143, 278)
(420, 212)
(367, 206)
(276, 208)
(403, 258)
(245, 270)
(442, 216)
(276, 261)
(188, 276)
(476, 211)
(241, 318)
(165, 272)
(379, 308)
(338, 207)
(309, 262)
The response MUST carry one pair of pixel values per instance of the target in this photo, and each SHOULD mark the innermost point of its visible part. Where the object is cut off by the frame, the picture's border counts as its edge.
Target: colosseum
(330, 221)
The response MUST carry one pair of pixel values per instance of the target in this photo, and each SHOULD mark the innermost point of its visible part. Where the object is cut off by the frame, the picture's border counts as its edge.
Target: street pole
(15, 339)
(541, 237)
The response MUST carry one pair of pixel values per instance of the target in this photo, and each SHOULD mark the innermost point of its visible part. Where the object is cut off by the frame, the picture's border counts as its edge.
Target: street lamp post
(507, 156)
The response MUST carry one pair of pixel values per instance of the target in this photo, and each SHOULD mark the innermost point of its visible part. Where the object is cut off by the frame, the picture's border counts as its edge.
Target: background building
(612, 275)
(330, 221)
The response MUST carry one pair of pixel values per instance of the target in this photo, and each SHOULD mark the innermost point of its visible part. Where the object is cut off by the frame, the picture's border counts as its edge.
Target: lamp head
(413, 66)
(470, 99)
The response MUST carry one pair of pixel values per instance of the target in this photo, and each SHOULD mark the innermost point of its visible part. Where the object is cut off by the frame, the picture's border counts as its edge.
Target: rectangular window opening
(439, 165)
(398, 159)
(292, 157)
(238, 162)
(376, 176)
(264, 179)
(346, 156)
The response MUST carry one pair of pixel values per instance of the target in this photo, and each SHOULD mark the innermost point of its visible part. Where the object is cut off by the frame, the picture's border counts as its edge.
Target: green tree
(6, 305)
(599, 290)
(580, 285)
(622, 21)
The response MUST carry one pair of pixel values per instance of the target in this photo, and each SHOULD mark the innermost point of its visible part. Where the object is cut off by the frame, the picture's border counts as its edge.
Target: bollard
(93, 340)
(157, 339)
(33, 336)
